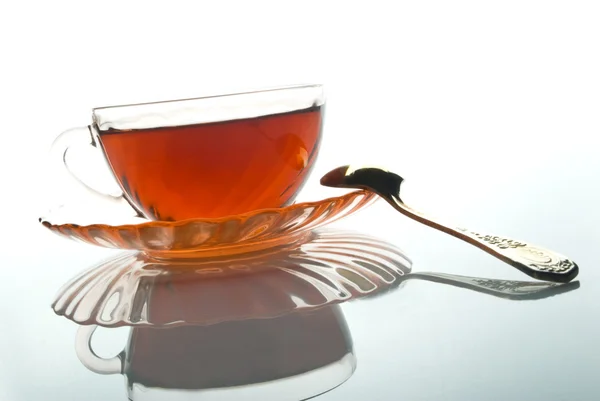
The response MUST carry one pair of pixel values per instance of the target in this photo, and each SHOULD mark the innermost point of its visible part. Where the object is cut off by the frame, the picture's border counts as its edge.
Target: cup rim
(208, 109)
(217, 95)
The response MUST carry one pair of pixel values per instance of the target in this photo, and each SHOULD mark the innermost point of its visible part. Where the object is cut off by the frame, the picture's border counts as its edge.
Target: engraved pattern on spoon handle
(540, 261)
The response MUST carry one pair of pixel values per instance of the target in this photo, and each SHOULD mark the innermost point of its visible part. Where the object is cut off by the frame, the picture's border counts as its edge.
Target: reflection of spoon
(536, 262)
(507, 289)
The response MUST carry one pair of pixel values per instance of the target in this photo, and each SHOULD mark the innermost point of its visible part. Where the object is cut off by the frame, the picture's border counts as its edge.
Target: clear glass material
(207, 157)
(209, 109)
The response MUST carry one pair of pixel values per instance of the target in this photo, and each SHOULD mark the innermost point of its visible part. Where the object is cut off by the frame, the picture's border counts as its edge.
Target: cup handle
(89, 359)
(64, 143)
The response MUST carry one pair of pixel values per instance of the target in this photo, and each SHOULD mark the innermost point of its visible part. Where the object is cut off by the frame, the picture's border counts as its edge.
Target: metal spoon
(532, 260)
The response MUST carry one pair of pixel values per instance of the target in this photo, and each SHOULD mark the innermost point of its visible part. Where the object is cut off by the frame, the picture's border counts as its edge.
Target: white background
(467, 95)
(465, 99)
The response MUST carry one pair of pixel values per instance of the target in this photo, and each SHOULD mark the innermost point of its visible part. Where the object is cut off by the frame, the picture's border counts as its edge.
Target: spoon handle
(536, 262)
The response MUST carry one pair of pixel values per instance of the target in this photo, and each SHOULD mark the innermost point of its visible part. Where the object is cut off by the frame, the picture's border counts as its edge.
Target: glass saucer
(194, 238)
(330, 268)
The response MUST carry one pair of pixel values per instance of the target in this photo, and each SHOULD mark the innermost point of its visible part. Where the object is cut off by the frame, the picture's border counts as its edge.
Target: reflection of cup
(295, 356)
(208, 157)
(259, 327)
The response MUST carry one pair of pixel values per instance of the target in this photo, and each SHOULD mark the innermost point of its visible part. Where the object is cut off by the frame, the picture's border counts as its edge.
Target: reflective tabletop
(488, 110)
(374, 306)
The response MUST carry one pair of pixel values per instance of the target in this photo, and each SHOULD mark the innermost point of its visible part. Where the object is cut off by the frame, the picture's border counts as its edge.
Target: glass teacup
(208, 157)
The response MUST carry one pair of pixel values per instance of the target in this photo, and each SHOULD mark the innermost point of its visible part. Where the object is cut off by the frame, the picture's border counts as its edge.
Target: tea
(215, 169)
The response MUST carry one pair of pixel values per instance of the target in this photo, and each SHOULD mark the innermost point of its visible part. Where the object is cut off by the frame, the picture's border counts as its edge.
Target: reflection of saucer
(252, 231)
(330, 268)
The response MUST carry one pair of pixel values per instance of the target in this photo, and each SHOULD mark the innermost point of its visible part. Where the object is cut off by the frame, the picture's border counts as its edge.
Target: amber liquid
(215, 169)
